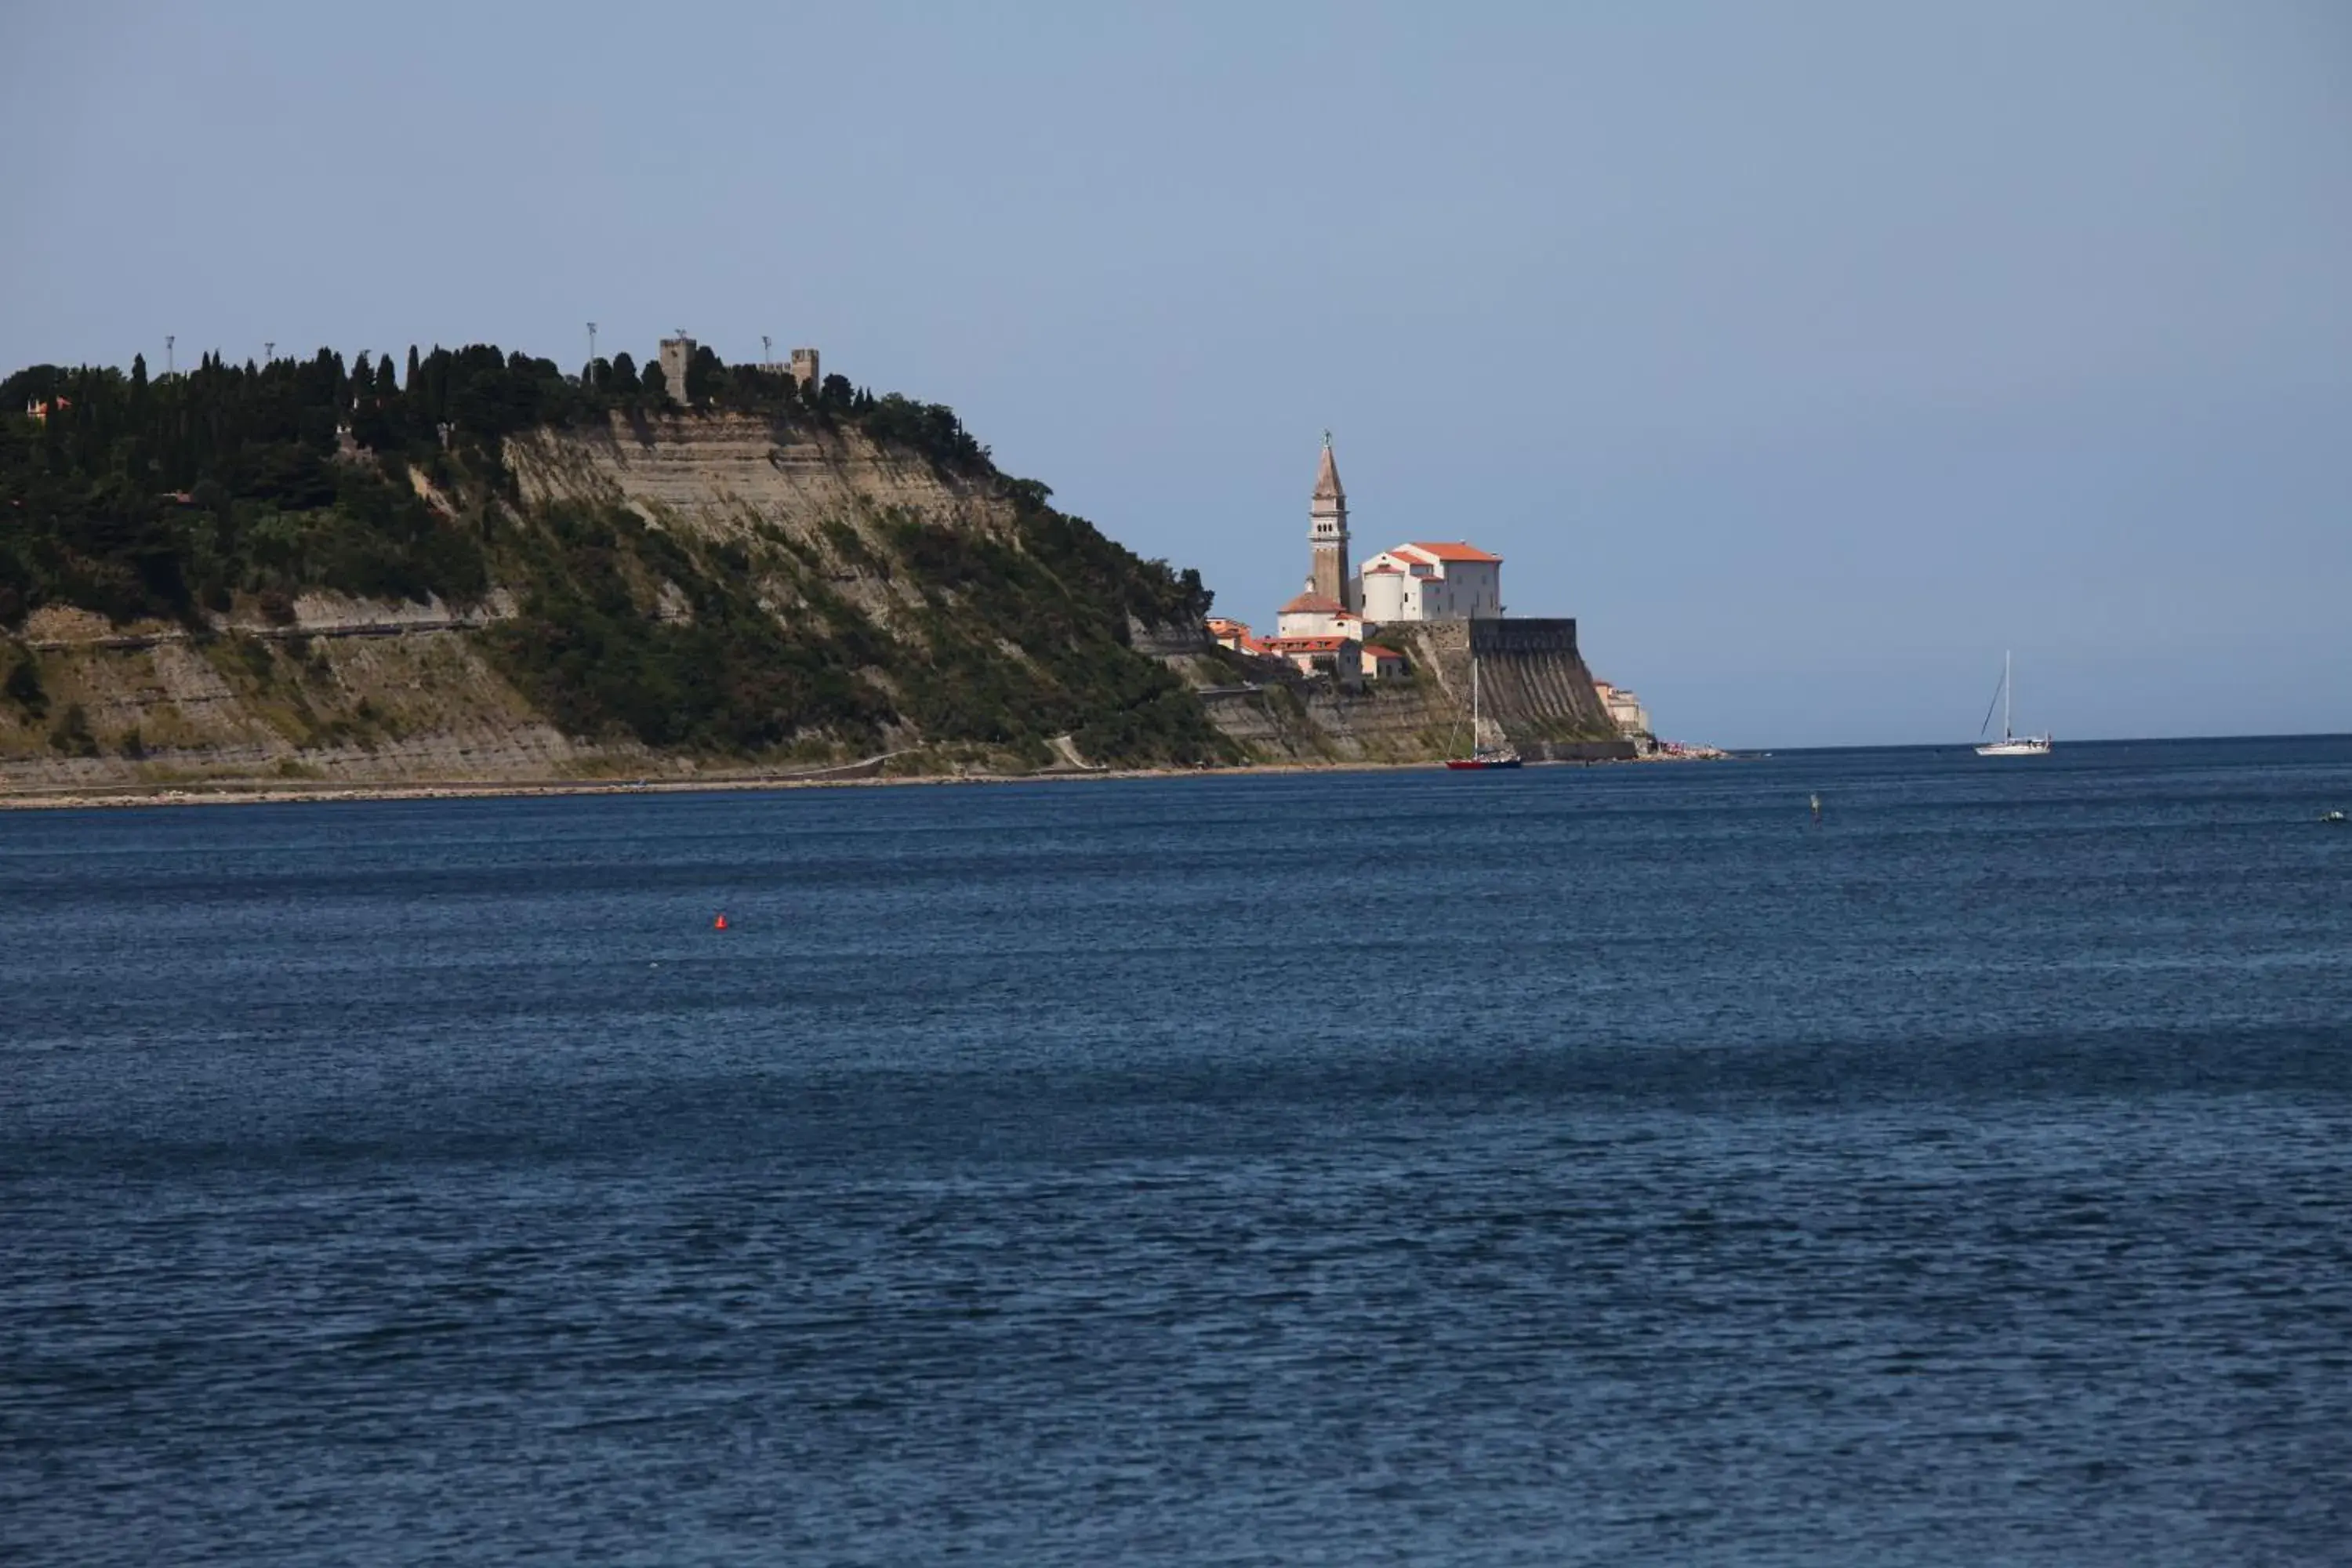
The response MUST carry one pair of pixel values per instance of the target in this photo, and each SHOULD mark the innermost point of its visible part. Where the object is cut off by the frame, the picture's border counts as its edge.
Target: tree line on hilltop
(149, 497)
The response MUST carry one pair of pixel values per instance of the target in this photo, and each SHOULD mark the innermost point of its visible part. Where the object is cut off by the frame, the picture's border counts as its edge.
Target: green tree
(23, 686)
(706, 377)
(70, 734)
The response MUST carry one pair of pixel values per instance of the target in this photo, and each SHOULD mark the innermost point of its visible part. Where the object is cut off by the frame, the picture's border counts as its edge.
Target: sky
(1810, 355)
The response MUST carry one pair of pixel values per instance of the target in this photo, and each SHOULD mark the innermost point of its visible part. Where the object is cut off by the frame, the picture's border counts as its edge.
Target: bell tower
(1327, 531)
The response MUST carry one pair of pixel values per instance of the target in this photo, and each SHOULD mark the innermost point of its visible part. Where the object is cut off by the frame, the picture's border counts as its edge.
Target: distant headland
(473, 569)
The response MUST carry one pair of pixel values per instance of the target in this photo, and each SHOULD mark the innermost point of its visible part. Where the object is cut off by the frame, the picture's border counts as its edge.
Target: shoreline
(268, 791)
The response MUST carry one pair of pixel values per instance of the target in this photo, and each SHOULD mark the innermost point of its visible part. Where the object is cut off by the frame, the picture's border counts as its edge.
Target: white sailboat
(1481, 757)
(2010, 743)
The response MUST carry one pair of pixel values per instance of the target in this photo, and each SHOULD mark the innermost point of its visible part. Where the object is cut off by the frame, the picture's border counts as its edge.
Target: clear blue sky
(1808, 354)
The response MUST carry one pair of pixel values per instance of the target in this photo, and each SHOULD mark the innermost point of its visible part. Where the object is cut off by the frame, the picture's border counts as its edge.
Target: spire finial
(1327, 440)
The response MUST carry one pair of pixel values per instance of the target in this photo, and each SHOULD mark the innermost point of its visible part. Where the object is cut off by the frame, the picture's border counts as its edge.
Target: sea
(1576, 1165)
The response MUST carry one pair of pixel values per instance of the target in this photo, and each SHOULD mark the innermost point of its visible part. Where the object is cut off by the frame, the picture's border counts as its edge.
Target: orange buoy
(718, 924)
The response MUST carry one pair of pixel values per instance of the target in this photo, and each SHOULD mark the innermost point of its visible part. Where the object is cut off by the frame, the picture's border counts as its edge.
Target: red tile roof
(1456, 551)
(1311, 603)
(1377, 651)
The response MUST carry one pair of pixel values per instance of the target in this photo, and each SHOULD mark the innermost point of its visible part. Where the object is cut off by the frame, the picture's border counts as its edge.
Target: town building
(1422, 581)
(1626, 710)
(1236, 635)
(1315, 651)
(1332, 628)
(1312, 615)
(1340, 657)
(1431, 581)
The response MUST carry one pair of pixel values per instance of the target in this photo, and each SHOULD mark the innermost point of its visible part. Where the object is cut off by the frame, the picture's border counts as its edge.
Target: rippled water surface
(1578, 1166)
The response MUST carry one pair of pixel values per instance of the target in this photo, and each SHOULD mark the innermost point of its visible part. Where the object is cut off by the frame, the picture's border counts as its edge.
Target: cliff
(663, 595)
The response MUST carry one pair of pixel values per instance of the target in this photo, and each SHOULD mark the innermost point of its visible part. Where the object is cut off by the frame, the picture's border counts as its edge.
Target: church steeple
(1327, 477)
(1327, 531)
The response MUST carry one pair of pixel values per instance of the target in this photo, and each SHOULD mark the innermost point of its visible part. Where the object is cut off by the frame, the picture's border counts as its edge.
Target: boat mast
(2006, 696)
(1474, 704)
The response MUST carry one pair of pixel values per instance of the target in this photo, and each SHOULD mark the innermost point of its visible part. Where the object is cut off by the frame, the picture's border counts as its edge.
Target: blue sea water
(1578, 1165)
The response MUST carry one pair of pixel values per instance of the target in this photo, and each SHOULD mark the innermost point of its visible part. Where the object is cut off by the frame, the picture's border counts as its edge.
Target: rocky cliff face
(731, 477)
(360, 693)
(841, 542)
(720, 475)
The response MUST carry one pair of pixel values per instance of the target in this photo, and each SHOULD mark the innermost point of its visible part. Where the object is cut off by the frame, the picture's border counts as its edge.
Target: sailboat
(1481, 757)
(2010, 743)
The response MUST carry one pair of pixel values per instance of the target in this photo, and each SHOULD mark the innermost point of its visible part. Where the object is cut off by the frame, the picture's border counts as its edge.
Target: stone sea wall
(1534, 692)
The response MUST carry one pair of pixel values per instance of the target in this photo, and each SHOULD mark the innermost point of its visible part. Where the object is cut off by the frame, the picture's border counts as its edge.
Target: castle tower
(676, 353)
(805, 367)
(1328, 531)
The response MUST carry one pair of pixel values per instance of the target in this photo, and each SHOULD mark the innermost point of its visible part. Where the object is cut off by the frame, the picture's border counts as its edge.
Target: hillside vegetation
(221, 497)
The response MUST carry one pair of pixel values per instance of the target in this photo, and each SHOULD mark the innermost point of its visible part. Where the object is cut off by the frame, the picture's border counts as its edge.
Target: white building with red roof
(1236, 635)
(1433, 581)
(1314, 614)
(1427, 580)
(1626, 710)
(1340, 657)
